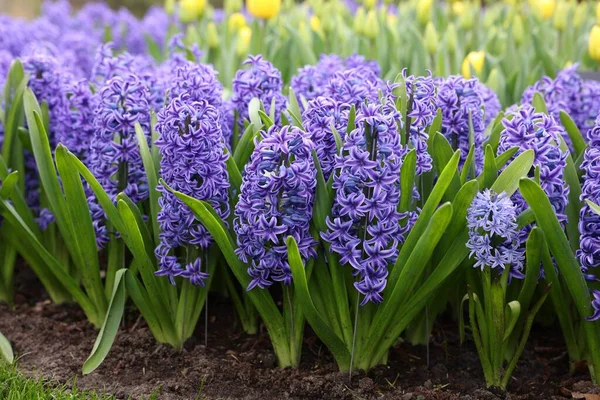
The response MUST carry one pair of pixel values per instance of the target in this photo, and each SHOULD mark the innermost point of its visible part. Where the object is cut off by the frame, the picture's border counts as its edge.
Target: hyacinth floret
(114, 157)
(77, 119)
(595, 305)
(276, 201)
(354, 86)
(198, 81)
(527, 129)
(458, 98)
(193, 162)
(259, 80)
(365, 228)
(491, 102)
(493, 235)
(320, 116)
(589, 221)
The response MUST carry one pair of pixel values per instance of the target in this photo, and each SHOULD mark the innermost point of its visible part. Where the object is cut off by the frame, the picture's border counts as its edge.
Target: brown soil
(53, 341)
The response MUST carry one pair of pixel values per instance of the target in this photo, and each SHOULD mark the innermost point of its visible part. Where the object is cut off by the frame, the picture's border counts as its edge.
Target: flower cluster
(589, 221)
(77, 126)
(462, 107)
(493, 235)
(276, 201)
(491, 102)
(114, 157)
(193, 162)
(353, 86)
(321, 115)
(260, 80)
(366, 227)
(198, 81)
(421, 92)
(526, 129)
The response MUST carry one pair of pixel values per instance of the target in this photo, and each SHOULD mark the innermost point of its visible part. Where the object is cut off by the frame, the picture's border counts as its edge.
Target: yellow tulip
(431, 38)
(561, 16)
(191, 10)
(212, 35)
(370, 3)
(518, 30)
(371, 29)
(359, 20)
(170, 6)
(315, 24)
(458, 8)
(236, 21)
(545, 8)
(244, 37)
(264, 9)
(474, 60)
(424, 11)
(594, 43)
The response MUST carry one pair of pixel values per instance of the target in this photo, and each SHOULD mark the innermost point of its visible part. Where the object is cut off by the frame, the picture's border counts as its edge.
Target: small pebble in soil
(428, 384)
(407, 396)
(440, 373)
(366, 384)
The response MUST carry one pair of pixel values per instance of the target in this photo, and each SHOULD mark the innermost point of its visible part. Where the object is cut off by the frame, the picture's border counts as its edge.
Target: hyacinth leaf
(420, 226)
(435, 127)
(6, 349)
(594, 207)
(110, 327)
(512, 313)
(305, 53)
(505, 157)
(406, 282)
(141, 224)
(19, 202)
(407, 180)
(579, 144)
(245, 147)
(323, 199)
(574, 204)
(468, 165)
(266, 120)
(262, 299)
(539, 103)
(235, 176)
(294, 108)
(78, 208)
(567, 263)
(141, 298)
(151, 176)
(497, 127)
(13, 107)
(508, 180)
(351, 119)
(334, 343)
(254, 107)
(460, 205)
(442, 152)
(71, 285)
(490, 171)
(9, 184)
(339, 143)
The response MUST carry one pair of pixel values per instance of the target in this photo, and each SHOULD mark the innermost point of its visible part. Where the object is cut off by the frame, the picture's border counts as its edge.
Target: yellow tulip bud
(580, 14)
(467, 18)
(545, 8)
(360, 19)
(392, 19)
(315, 24)
(431, 38)
(458, 8)
(264, 9)
(371, 29)
(561, 16)
(170, 7)
(594, 43)
(244, 37)
(518, 30)
(568, 64)
(424, 11)
(191, 10)
(370, 3)
(474, 60)
(212, 35)
(232, 6)
(236, 21)
(451, 38)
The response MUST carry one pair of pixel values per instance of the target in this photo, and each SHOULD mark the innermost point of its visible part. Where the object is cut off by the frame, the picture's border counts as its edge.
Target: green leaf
(323, 199)
(8, 184)
(319, 324)
(267, 120)
(575, 135)
(548, 63)
(539, 103)
(407, 180)
(567, 263)
(151, 175)
(110, 327)
(490, 171)
(512, 313)
(594, 207)
(508, 181)
(6, 349)
(245, 147)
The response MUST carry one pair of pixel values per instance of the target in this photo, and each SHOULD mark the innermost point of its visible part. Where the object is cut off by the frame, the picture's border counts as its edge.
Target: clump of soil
(53, 341)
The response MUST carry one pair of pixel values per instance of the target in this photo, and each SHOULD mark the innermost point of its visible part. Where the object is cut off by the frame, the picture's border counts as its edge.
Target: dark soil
(53, 341)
